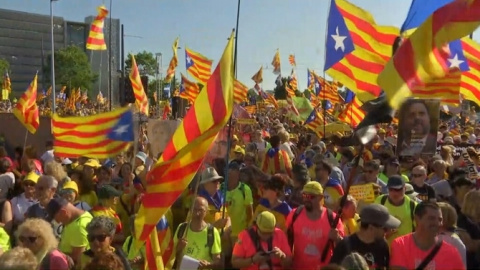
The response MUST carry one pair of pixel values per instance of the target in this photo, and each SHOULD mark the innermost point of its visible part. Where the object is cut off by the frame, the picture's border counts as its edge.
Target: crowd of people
(279, 202)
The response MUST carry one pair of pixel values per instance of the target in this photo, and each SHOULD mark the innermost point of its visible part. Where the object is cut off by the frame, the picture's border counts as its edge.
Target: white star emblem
(189, 60)
(455, 62)
(317, 85)
(121, 129)
(339, 41)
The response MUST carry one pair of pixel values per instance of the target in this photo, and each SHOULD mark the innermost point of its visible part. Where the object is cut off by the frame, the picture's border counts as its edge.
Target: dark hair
(325, 165)
(4, 165)
(421, 208)
(120, 171)
(372, 164)
(219, 164)
(275, 141)
(106, 169)
(277, 182)
(105, 260)
(409, 102)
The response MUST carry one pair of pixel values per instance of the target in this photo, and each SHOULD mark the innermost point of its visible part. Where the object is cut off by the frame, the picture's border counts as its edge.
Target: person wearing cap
(108, 198)
(210, 190)
(73, 240)
(424, 190)
(411, 251)
(369, 241)
(276, 160)
(263, 246)
(392, 167)
(410, 192)
(239, 153)
(140, 160)
(70, 193)
(332, 187)
(398, 205)
(22, 202)
(309, 230)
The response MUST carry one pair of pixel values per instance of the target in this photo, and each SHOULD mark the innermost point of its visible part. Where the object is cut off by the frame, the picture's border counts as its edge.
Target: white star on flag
(121, 129)
(339, 41)
(455, 62)
(189, 59)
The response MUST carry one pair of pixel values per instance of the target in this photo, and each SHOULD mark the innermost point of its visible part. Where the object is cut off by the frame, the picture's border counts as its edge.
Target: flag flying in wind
(258, 77)
(96, 136)
(189, 90)
(424, 55)
(314, 122)
(291, 59)
(357, 48)
(198, 66)
(293, 82)
(353, 114)
(173, 62)
(470, 80)
(276, 63)
(141, 99)
(191, 141)
(26, 109)
(240, 92)
(96, 40)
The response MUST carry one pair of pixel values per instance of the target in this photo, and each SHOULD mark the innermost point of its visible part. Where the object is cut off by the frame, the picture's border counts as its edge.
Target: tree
(146, 63)
(4, 67)
(307, 93)
(72, 68)
(280, 91)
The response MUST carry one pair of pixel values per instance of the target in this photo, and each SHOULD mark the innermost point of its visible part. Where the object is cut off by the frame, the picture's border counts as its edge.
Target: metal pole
(122, 84)
(110, 59)
(52, 57)
(160, 94)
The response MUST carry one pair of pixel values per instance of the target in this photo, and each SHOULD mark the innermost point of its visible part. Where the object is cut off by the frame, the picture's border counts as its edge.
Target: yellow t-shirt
(4, 240)
(237, 200)
(90, 198)
(123, 214)
(350, 226)
(197, 244)
(75, 234)
(402, 213)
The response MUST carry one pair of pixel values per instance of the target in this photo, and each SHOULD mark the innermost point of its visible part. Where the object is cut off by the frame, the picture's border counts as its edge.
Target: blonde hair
(56, 170)
(19, 258)
(470, 204)
(449, 215)
(284, 136)
(355, 261)
(41, 229)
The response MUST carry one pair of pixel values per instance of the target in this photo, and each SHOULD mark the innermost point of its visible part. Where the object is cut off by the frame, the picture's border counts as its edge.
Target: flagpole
(324, 60)
(52, 57)
(110, 92)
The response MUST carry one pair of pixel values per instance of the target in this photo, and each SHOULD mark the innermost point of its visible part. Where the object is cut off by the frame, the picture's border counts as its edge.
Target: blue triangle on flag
(123, 129)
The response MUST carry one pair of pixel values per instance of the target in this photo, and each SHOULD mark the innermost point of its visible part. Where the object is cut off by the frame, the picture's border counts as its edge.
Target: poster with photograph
(418, 127)
(160, 132)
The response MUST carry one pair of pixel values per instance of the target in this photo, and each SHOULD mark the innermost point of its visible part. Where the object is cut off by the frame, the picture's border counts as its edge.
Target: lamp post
(158, 77)
(52, 56)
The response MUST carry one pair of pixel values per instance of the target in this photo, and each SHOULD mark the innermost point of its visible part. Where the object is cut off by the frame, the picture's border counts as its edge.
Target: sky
(292, 26)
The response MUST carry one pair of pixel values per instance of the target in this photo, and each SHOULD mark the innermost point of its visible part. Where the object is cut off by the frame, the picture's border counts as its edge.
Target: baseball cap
(313, 187)
(71, 185)
(234, 165)
(393, 161)
(93, 163)
(54, 206)
(377, 214)
(266, 222)
(395, 182)
(107, 192)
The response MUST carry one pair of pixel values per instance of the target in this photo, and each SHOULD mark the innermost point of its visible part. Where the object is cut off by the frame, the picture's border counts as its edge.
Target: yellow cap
(266, 222)
(31, 176)
(92, 163)
(313, 187)
(239, 149)
(71, 185)
(381, 131)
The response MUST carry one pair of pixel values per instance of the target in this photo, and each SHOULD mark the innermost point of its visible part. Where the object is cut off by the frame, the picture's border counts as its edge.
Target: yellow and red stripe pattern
(26, 109)
(189, 90)
(87, 135)
(276, 62)
(291, 106)
(251, 109)
(258, 77)
(173, 62)
(7, 84)
(315, 121)
(240, 92)
(278, 163)
(470, 80)
(96, 39)
(191, 141)
(141, 99)
(328, 90)
(353, 113)
(372, 48)
(291, 59)
(422, 57)
(293, 82)
(198, 66)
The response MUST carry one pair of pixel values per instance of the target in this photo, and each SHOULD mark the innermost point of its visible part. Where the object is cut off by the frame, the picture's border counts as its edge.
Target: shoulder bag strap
(431, 255)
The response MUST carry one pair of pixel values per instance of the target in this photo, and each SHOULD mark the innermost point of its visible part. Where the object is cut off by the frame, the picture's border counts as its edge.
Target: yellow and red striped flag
(291, 106)
(314, 121)
(191, 141)
(96, 40)
(276, 62)
(141, 99)
(258, 77)
(470, 80)
(198, 66)
(353, 113)
(290, 91)
(240, 92)
(173, 62)
(26, 109)
(96, 136)
(251, 109)
(293, 82)
(291, 59)
(189, 90)
(7, 84)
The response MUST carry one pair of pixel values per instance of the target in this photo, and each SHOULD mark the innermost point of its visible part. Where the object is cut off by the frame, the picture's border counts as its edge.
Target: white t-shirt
(47, 156)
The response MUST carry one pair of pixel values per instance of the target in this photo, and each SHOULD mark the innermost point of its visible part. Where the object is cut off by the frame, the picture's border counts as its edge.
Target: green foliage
(4, 67)
(307, 93)
(146, 63)
(298, 93)
(72, 68)
(280, 92)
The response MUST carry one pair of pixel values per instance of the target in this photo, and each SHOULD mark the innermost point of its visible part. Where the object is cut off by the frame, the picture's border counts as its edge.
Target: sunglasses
(27, 183)
(308, 196)
(395, 189)
(25, 239)
(100, 238)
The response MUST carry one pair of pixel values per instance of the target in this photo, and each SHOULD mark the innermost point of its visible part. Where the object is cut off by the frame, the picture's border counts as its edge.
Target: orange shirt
(245, 248)
(405, 253)
(310, 237)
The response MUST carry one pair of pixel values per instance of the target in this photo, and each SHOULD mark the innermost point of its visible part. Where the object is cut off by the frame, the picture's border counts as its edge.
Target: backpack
(45, 264)
(290, 233)
(210, 235)
(383, 200)
(258, 247)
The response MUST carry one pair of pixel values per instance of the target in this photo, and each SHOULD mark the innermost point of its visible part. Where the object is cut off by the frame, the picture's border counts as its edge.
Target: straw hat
(209, 175)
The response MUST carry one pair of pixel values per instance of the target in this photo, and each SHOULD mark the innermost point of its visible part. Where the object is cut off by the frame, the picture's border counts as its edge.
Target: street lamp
(52, 57)
(159, 85)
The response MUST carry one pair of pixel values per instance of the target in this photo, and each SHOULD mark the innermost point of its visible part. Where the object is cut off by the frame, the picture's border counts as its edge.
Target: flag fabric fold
(353, 113)
(258, 77)
(96, 136)
(189, 90)
(96, 39)
(26, 109)
(291, 59)
(198, 66)
(240, 92)
(173, 62)
(276, 63)
(141, 99)
(186, 150)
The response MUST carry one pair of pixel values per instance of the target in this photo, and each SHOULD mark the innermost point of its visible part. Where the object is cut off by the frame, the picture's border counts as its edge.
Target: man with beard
(415, 135)
(309, 229)
(369, 241)
(423, 249)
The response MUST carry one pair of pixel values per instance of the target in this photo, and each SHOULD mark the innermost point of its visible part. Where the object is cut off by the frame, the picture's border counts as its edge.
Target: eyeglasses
(30, 239)
(308, 196)
(417, 175)
(100, 238)
(27, 183)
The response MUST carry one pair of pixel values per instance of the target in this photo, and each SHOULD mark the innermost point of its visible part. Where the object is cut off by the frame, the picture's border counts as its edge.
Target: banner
(159, 133)
(363, 192)
(459, 148)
